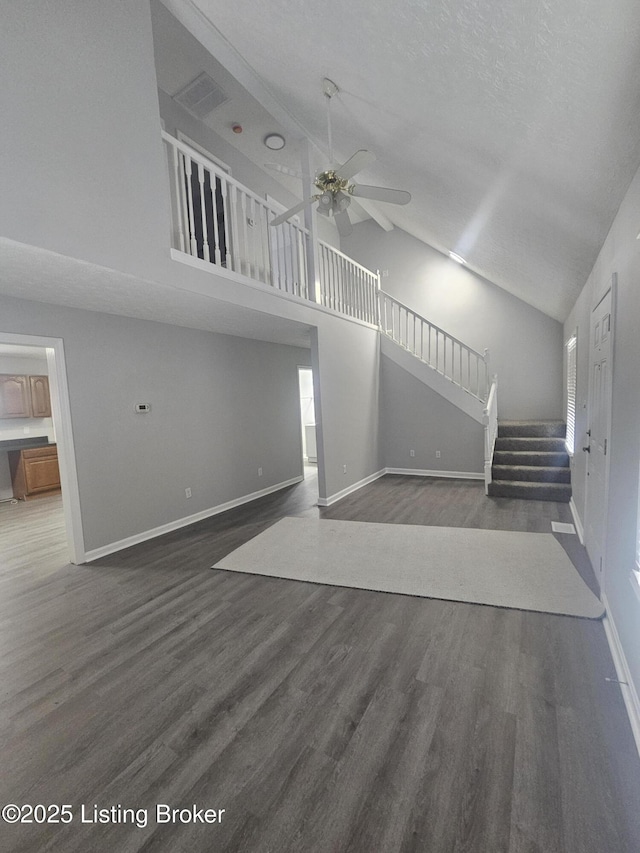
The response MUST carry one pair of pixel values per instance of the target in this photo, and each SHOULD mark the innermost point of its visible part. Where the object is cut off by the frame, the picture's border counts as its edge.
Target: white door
(598, 437)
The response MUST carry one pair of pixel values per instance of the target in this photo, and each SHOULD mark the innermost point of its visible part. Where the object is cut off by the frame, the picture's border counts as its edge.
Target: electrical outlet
(412, 453)
(259, 472)
(187, 493)
(438, 454)
(344, 469)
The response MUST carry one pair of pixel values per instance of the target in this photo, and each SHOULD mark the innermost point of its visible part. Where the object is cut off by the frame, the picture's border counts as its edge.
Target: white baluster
(224, 188)
(246, 261)
(235, 230)
(213, 181)
(178, 184)
(193, 243)
(203, 214)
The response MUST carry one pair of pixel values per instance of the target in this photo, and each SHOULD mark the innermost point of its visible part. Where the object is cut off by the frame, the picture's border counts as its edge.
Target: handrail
(346, 286)
(229, 179)
(347, 258)
(433, 325)
(490, 431)
(221, 222)
(446, 354)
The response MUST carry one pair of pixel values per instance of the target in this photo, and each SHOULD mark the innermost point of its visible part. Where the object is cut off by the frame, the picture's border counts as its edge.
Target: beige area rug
(525, 571)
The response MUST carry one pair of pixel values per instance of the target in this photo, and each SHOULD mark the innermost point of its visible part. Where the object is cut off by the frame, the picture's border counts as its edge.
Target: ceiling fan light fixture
(274, 141)
(457, 258)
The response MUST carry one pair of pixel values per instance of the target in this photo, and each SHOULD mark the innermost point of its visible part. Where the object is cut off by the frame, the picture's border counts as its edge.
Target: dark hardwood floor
(320, 719)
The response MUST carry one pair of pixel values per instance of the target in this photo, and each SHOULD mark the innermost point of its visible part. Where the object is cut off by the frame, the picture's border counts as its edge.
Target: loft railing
(490, 431)
(219, 221)
(453, 359)
(347, 286)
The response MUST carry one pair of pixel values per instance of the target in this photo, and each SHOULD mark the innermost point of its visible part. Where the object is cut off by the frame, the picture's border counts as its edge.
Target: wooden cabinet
(40, 400)
(24, 396)
(15, 396)
(34, 471)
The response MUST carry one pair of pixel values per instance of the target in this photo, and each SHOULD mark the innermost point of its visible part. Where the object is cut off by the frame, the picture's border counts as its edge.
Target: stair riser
(547, 445)
(530, 491)
(531, 473)
(553, 429)
(509, 457)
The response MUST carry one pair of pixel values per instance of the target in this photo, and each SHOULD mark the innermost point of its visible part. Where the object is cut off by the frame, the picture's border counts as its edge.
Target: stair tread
(531, 484)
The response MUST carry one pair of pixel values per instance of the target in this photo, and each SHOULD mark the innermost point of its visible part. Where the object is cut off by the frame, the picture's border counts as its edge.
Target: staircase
(530, 461)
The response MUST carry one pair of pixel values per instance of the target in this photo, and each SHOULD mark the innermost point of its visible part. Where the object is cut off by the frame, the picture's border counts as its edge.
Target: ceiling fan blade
(343, 223)
(289, 213)
(358, 161)
(381, 194)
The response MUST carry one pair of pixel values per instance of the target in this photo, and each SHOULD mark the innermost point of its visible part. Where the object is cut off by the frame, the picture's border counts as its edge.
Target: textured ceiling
(516, 126)
(43, 276)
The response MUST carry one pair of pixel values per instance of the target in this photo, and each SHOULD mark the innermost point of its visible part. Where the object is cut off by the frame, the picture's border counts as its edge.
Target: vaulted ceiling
(515, 125)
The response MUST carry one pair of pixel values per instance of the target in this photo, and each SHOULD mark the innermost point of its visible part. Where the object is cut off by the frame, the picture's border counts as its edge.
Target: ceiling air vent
(201, 96)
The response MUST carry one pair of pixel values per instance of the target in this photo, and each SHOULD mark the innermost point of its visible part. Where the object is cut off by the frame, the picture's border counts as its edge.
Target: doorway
(308, 422)
(54, 429)
(598, 434)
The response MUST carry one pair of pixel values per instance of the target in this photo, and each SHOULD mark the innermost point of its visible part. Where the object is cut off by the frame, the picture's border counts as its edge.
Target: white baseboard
(627, 688)
(576, 520)
(105, 550)
(350, 489)
(419, 472)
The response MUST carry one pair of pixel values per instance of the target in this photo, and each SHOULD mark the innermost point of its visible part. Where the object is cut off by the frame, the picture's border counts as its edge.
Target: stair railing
(490, 431)
(347, 286)
(219, 221)
(462, 365)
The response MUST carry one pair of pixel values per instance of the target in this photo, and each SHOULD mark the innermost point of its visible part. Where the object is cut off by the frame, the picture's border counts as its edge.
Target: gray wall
(525, 345)
(414, 417)
(220, 408)
(82, 159)
(346, 361)
(621, 254)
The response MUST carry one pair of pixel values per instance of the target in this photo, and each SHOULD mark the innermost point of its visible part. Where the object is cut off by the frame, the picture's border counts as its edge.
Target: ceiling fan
(335, 190)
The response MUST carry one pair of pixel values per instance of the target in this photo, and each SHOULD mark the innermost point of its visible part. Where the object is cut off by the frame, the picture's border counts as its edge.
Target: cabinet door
(40, 400)
(42, 474)
(14, 397)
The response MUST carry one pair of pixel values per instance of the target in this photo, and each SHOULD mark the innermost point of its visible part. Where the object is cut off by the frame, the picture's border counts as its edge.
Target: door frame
(61, 415)
(600, 295)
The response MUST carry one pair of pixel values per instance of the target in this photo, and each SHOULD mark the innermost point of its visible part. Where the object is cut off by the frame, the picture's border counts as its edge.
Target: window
(571, 392)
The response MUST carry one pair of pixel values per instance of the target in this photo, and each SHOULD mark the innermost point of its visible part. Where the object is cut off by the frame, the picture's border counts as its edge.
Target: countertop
(26, 443)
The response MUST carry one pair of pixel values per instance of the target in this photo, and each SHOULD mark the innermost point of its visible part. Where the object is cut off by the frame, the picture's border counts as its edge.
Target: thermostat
(143, 407)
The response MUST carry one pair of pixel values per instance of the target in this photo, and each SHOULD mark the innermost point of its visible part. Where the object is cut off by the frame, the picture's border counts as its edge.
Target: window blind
(571, 392)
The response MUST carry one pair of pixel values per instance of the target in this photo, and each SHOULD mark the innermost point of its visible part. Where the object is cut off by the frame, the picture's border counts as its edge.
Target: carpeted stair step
(541, 428)
(534, 473)
(530, 491)
(536, 457)
(542, 443)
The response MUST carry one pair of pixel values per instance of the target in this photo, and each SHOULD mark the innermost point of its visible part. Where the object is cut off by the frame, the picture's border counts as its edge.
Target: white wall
(221, 407)
(525, 345)
(620, 254)
(82, 163)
